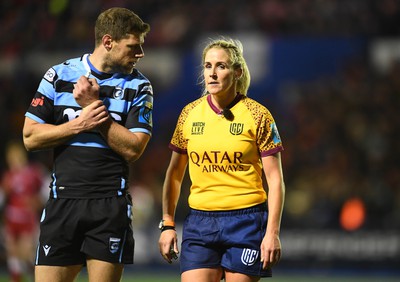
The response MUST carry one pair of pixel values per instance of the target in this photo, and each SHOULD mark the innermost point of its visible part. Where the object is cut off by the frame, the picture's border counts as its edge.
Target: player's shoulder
(254, 106)
(65, 70)
(194, 104)
(72, 63)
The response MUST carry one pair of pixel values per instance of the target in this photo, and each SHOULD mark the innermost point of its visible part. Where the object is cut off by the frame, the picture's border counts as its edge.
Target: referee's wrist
(166, 225)
(162, 229)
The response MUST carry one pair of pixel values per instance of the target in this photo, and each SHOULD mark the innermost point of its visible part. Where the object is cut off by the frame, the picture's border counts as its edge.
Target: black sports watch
(166, 225)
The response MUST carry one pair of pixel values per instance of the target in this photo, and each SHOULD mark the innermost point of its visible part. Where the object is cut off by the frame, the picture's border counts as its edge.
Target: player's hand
(86, 91)
(93, 115)
(168, 245)
(271, 251)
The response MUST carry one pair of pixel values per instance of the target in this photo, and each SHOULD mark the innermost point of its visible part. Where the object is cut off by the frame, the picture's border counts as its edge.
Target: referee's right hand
(168, 245)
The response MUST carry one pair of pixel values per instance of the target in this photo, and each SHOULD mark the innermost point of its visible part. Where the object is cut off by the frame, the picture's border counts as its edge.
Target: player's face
(218, 72)
(126, 53)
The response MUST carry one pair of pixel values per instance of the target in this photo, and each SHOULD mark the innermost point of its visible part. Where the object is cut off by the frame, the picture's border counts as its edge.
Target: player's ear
(238, 73)
(107, 42)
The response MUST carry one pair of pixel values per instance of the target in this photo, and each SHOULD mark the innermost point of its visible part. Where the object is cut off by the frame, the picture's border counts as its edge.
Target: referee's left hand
(271, 251)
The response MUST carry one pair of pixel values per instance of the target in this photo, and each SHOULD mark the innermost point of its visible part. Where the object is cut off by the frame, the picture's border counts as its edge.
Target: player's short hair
(119, 23)
(234, 48)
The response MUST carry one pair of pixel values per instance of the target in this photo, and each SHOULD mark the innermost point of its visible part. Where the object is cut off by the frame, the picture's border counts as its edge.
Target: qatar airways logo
(217, 161)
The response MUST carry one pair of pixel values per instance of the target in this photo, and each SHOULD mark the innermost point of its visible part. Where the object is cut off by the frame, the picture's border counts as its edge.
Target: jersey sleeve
(268, 139)
(42, 104)
(179, 142)
(140, 115)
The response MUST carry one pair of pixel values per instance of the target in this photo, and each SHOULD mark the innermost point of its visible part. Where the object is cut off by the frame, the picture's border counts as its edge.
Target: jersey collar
(238, 97)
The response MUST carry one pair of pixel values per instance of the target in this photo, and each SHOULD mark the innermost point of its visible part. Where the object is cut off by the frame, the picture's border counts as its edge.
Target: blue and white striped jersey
(85, 166)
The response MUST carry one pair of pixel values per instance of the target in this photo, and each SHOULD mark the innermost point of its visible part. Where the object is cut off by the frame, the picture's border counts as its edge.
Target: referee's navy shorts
(72, 230)
(230, 239)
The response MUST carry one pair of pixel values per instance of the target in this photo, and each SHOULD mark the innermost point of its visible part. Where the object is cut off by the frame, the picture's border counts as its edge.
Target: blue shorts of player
(72, 230)
(230, 239)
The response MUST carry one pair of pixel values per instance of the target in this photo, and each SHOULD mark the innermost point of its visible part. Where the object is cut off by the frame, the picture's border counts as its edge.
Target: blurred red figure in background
(21, 187)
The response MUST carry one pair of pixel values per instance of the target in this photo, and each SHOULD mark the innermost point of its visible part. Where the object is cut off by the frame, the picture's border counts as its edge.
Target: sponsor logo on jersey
(70, 114)
(50, 75)
(198, 128)
(37, 102)
(217, 161)
(249, 256)
(114, 244)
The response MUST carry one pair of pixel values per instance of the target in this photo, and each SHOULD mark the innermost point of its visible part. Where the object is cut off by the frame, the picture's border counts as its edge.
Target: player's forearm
(125, 143)
(171, 192)
(172, 185)
(275, 208)
(38, 136)
(276, 192)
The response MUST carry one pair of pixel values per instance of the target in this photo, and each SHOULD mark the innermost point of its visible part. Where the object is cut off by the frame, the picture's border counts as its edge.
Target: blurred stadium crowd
(341, 133)
(27, 25)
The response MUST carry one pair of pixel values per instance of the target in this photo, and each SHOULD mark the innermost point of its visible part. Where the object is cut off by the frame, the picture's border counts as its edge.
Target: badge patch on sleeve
(275, 134)
(146, 114)
(50, 75)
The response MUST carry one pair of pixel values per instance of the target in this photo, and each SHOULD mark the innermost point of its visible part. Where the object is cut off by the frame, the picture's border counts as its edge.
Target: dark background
(328, 70)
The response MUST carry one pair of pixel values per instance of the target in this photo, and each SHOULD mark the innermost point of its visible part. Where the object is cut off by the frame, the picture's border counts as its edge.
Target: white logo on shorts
(249, 256)
(46, 249)
(114, 244)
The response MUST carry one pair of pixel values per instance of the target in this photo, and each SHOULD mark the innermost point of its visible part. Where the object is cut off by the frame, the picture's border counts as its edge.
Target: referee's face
(218, 73)
(126, 53)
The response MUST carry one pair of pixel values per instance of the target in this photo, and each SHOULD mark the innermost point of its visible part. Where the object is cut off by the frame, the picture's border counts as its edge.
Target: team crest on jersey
(118, 93)
(114, 244)
(198, 128)
(249, 256)
(236, 128)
